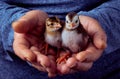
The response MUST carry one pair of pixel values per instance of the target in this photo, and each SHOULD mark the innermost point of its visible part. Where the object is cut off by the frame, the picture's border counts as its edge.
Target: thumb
(95, 30)
(21, 26)
(24, 24)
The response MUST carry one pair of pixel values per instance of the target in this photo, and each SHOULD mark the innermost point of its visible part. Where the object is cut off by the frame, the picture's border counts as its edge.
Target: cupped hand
(83, 60)
(29, 42)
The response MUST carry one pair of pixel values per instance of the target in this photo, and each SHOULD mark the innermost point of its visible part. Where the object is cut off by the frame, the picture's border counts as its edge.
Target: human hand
(84, 60)
(29, 40)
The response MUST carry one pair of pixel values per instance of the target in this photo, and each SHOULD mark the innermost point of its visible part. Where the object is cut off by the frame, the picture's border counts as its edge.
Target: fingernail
(80, 57)
(51, 75)
(45, 65)
(103, 44)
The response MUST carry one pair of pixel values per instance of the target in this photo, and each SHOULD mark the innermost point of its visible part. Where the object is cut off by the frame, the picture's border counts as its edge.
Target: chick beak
(57, 26)
(72, 24)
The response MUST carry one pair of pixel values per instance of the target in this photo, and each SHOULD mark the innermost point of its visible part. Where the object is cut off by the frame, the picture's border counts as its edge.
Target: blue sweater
(106, 12)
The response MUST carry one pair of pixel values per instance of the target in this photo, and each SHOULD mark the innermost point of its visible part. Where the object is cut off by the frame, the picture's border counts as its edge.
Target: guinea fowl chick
(74, 36)
(53, 32)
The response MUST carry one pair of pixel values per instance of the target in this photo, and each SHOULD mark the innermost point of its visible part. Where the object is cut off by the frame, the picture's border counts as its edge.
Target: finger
(90, 54)
(47, 63)
(42, 59)
(52, 69)
(95, 31)
(80, 67)
(51, 75)
(84, 66)
(21, 48)
(39, 67)
(63, 68)
(25, 23)
(71, 62)
(29, 21)
(34, 48)
(100, 40)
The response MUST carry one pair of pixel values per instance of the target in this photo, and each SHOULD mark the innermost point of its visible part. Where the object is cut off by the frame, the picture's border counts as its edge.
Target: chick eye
(66, 21)
(48, 25)
(76, 21)
(52, 24)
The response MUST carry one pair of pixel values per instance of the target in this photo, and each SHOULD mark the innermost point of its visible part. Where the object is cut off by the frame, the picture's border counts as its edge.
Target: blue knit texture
(107, 13)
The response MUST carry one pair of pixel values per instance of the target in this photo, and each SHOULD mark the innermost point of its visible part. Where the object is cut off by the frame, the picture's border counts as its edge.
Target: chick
(74, 36)
(53, 32)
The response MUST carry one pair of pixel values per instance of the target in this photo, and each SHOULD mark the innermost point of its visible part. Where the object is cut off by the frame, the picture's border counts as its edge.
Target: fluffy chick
(53, 32)
(74, 37)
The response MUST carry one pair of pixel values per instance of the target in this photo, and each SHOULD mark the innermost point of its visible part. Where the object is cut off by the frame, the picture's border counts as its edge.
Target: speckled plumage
(53, 33)
(74, 37)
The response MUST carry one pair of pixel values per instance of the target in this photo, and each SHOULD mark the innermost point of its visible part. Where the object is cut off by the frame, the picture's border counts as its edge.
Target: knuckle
(29, 58)
(88, 67)
(45, 61)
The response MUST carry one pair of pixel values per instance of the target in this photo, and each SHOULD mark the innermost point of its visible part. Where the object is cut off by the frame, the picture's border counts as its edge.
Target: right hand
(83, 60)
(28, 34)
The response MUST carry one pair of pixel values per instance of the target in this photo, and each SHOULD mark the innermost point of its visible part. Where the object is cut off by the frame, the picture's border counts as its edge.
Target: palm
(32, 40)
(29, 41)
(83, 60)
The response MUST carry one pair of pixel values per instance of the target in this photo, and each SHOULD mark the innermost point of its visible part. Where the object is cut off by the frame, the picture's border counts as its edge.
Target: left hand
(28, 41)
(84, 60)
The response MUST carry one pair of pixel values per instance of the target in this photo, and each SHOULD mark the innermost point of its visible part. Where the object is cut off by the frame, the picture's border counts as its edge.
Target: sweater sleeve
(8, 14)
(108, 15)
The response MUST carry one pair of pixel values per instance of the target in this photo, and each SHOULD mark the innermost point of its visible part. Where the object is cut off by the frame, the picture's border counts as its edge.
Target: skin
(83, 61)
(28, 31)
